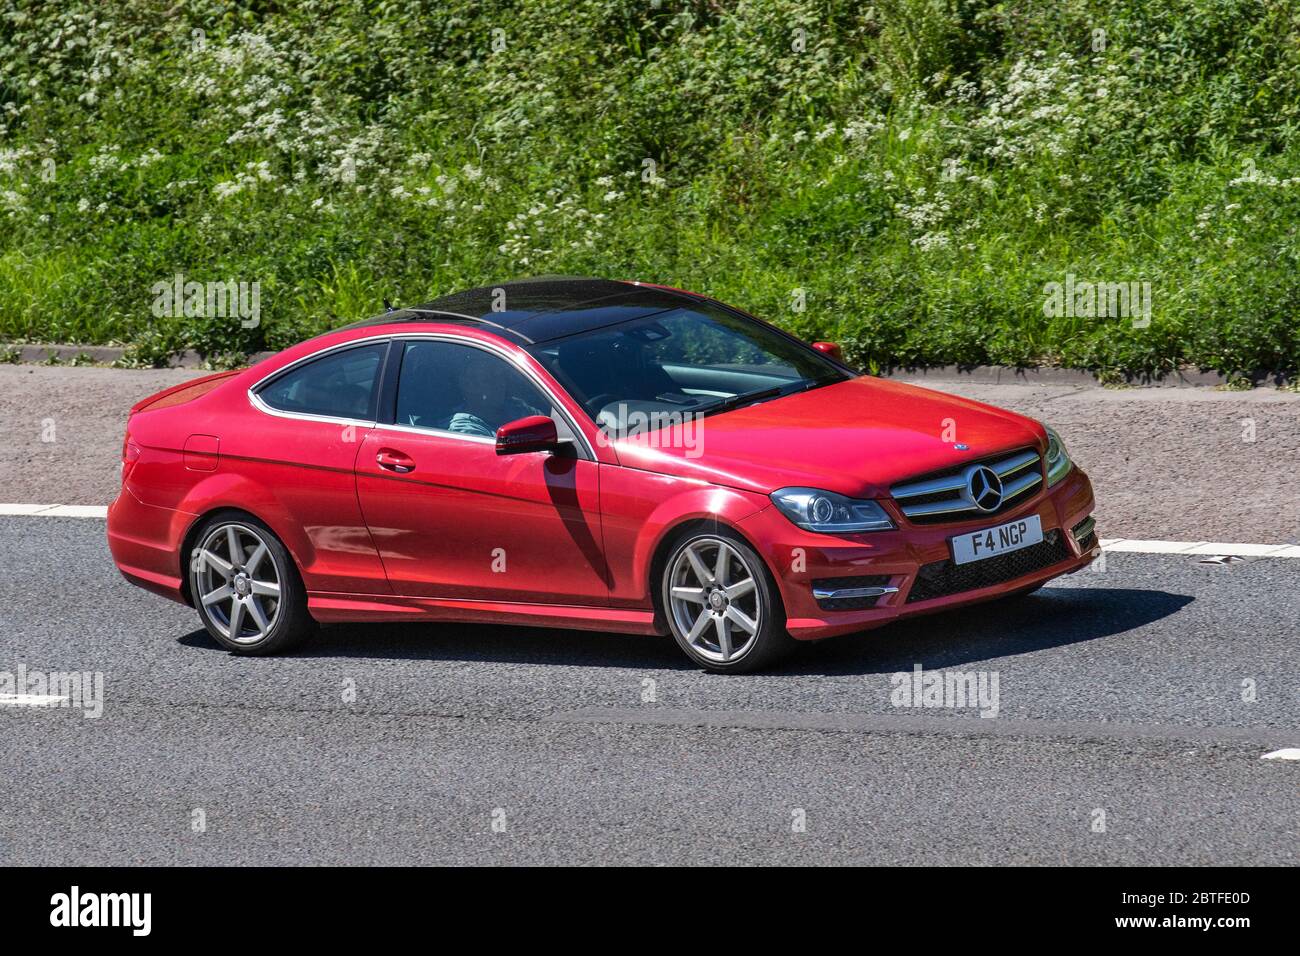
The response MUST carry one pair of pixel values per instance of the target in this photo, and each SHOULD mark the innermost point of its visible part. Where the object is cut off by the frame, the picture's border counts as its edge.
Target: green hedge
(907, 177)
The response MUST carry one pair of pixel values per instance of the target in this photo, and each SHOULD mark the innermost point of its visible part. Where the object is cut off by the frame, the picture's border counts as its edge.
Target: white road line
(1150, 547)
(56, 511)
(23, 509)
(78, 511)
(30, 700)
(1286, 753)
(1201, 548)
(1117, 545)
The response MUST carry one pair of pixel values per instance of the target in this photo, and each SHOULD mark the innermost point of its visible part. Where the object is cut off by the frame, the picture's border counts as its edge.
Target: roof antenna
(388, 306)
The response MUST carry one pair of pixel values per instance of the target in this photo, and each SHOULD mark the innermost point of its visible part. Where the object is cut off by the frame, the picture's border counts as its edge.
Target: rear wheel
(721, 604)
(246, 588)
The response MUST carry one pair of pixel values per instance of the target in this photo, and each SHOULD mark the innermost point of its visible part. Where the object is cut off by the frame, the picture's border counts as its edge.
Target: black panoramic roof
(529, 311)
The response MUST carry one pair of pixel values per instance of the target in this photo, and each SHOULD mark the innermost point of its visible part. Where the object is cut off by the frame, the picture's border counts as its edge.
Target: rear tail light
(130, 454)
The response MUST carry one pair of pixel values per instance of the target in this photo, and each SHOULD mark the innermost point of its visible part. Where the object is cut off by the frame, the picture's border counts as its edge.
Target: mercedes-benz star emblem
(983, 488)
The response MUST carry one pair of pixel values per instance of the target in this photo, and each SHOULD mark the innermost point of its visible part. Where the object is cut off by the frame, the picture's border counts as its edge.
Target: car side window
(464, 390)
(342, 384)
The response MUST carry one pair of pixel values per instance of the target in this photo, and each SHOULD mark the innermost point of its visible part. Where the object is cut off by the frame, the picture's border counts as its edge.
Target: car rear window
(342, 384)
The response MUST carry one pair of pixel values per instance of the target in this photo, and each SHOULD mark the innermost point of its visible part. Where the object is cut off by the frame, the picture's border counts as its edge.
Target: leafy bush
(905, 176)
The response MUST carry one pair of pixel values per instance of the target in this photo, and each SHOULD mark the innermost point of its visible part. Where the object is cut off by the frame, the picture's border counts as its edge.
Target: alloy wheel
(713, 600)
(236, 583)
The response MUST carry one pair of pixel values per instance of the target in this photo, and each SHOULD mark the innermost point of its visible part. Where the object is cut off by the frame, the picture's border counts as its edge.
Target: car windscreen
(683, 360)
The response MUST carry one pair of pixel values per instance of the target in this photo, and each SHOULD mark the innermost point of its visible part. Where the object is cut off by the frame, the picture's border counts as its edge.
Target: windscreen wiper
(744, 398)
(816, 384)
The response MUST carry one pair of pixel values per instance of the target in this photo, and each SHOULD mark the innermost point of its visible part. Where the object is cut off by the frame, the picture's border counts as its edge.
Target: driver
(482, 407)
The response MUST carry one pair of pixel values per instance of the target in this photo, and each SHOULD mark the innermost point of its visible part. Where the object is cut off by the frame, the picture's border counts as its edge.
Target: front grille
(841, 584)
(942, 578)
(945, 496)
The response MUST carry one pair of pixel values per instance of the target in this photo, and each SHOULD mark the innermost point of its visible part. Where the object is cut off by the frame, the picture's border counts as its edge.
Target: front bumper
(911, 564)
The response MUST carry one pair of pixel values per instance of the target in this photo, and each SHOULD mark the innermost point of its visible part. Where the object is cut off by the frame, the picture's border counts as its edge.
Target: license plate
(1012, 536)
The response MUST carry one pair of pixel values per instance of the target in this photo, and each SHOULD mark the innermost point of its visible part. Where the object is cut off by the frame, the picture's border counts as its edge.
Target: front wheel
(722, 605)
(246, 588)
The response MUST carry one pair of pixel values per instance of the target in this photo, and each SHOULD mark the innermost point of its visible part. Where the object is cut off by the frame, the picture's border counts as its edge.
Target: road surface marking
(1201, 548)
(30, 700)
(1286, 753)
(56, 511)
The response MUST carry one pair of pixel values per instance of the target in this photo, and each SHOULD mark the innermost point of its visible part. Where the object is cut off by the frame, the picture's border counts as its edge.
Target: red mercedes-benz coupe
(591, 454)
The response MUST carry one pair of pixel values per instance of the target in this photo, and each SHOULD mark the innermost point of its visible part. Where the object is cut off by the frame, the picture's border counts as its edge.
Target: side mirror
(534, 433)
(829, 349)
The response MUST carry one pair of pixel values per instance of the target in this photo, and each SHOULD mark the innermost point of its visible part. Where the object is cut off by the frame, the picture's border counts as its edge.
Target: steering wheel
(598, 402)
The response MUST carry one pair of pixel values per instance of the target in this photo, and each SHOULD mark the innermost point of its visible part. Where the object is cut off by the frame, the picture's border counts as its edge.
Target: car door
(452, 518)
(300, 450)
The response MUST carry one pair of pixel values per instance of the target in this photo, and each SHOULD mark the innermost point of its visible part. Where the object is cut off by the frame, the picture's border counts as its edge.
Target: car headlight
(816, 510)
(1058, 460)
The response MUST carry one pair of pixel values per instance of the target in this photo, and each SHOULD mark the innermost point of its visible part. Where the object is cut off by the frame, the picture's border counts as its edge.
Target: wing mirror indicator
(534, 433)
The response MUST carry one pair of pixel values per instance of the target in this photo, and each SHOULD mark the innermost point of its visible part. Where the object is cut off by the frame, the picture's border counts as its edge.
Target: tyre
(722, 605)
(246, 587)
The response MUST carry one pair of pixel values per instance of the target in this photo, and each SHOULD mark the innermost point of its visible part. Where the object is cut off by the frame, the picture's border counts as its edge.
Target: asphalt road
(1120, 691)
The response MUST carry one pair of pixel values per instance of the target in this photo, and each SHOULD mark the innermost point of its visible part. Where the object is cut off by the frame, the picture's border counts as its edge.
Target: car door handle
(395, 461)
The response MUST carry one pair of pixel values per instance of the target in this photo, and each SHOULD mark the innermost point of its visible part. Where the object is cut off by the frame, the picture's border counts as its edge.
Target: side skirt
(334, 608)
